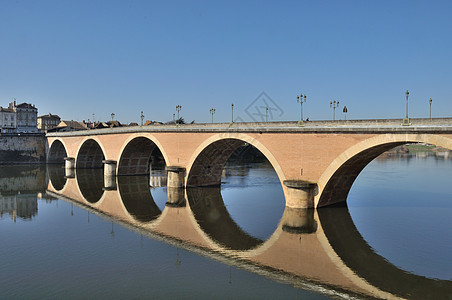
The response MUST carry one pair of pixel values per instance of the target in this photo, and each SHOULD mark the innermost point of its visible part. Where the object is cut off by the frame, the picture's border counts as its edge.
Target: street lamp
(232, 113)
(212, 112)
(301, 99)
(406, 121)
(430, 102)
(266, 114)
(178, 109)
(112, 116)
(334, 104)
(142, 117)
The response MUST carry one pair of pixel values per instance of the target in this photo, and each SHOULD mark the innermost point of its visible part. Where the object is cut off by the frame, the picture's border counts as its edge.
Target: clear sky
(76, 58)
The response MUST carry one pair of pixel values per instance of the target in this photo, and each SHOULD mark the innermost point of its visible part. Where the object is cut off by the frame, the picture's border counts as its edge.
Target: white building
(8, 120)
(26, 115)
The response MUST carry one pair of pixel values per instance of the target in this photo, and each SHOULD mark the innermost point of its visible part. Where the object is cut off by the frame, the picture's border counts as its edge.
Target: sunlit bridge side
(337, 180)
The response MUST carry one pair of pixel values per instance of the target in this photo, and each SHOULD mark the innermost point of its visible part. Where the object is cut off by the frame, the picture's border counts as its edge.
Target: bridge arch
(207, 161)
(57, 152)
(135, 155)
(337, 180)
(90, 154)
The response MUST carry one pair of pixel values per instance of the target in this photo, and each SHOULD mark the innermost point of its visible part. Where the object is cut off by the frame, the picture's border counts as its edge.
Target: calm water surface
(55, 248)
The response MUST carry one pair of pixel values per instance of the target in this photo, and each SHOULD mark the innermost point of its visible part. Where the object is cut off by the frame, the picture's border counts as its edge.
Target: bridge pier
(109, 167)
(299, 220)
(109, 175)
(176, 176)
(69, 163)
(69, 173)
(300, 193)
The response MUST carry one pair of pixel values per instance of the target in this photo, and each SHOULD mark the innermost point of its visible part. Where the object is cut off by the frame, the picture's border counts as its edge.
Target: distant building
(26, 116)
(49, 121)
(7, 120)
(69, 126)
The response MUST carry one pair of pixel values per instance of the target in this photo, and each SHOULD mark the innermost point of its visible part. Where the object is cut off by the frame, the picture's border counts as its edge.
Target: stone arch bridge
(316, 164)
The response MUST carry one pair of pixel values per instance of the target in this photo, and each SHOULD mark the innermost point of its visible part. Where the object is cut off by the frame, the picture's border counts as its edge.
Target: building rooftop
(49, 115)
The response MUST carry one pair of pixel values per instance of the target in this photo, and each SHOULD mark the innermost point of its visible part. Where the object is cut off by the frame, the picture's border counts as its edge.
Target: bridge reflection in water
(309, 248)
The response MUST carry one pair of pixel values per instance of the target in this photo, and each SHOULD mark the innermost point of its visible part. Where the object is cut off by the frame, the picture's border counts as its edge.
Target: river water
(77, 237)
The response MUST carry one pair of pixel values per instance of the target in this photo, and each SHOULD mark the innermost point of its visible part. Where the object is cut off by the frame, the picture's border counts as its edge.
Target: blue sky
(76, 58)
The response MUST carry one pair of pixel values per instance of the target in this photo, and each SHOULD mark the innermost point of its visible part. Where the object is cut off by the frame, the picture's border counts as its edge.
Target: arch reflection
(354, 251)
(214, 219)
(90, 183)
(57, 176)
(137, 198)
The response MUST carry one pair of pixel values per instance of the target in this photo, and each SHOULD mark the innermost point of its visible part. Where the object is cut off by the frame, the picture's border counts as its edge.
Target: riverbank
(22, 148)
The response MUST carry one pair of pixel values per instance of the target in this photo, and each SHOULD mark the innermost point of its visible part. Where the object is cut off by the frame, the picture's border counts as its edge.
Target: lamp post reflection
(112, 232)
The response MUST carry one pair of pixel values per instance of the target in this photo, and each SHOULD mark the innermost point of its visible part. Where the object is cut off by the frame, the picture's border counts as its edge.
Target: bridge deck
(438, 125)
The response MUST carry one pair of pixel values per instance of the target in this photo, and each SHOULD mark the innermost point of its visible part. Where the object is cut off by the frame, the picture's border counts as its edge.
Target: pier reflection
(314, 248)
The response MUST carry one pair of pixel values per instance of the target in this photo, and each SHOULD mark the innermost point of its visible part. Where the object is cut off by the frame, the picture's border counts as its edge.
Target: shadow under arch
(207, 206)
(57, 153)
(337, 180)
(137, 156)
(91, 184)
(354, 252)
(57, 177)
(90, 155)
(137, 198)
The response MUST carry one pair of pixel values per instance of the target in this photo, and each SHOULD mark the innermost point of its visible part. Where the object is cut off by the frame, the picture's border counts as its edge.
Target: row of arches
(142, 153)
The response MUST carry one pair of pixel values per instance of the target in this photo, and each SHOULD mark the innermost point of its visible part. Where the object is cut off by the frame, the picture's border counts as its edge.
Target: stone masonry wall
(22, 148)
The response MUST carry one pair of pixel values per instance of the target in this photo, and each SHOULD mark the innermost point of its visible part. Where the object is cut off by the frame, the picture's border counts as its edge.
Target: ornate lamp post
(232, 113)
(301, 99)
(178, 109)
(212, 112)
(345, 111)
(406, 121)
(112, 116)
(334, 104)
(430, 102)
(142, 117)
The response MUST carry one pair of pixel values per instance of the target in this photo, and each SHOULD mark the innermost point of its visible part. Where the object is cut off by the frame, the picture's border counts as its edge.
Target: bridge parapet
(374, 125)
